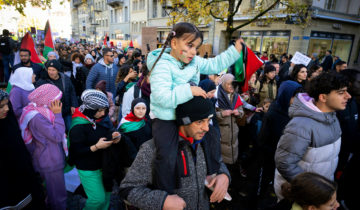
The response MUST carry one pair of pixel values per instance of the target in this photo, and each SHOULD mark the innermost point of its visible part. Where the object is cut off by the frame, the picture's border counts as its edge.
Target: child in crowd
(135, 126)
(311, 191)
(173, 69)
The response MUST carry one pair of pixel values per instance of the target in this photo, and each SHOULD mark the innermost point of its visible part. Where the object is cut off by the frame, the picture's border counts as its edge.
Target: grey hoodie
(310, 143)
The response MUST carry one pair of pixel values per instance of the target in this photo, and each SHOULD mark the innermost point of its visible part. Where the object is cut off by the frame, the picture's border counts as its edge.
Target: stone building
(334, 25)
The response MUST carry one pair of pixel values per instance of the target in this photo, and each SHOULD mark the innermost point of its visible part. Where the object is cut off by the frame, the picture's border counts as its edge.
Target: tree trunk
(230, 22)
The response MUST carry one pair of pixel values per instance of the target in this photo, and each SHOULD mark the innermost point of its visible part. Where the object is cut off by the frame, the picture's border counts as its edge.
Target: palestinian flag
(131, 44)
(105, 40)
(49, 44)
(247, 65)
(28, 43)
(131, 123)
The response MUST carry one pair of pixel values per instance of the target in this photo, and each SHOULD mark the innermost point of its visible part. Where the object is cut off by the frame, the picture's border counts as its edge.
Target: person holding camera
(88, 139)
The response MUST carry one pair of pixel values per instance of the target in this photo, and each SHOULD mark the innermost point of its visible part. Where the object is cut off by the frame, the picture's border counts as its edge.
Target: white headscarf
(22, 78)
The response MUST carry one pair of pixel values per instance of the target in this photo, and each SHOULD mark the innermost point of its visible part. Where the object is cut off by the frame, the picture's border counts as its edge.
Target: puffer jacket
(169, 80)
(229, 135)
(310, 143)
(137, 186)
(101, 71)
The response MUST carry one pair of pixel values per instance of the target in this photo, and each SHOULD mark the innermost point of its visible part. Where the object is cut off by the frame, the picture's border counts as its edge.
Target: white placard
(300, 58)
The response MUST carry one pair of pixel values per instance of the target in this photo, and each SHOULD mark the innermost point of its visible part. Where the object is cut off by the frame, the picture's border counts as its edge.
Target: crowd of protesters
(172, 130)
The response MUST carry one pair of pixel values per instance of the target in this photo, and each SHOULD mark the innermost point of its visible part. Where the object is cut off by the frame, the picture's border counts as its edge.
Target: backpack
(5, 45)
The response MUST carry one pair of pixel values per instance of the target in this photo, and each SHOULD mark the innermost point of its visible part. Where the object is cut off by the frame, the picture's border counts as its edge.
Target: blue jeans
(8, 60)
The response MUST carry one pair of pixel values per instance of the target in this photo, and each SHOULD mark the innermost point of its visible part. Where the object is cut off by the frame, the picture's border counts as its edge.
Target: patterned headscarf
(40, 101)
(3, 95)
(94, 100)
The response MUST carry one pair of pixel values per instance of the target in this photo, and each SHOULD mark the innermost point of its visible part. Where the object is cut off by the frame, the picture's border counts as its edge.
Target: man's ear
(323, 98)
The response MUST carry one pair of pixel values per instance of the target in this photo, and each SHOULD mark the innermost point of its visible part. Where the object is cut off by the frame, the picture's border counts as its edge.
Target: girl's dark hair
(178, 31)
(295, 71)
(268, 68)
(313, 69)
(309, 189)
(123, 71)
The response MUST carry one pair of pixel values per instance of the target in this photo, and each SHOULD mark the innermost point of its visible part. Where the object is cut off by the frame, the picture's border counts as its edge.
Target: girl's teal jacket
(169, 80)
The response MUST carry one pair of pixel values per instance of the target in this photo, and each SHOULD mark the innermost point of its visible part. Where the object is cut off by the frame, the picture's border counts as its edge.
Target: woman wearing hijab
(22, 85)
(18, 181)
(272, 128)
(88, 139)
(43, 131)
(135, 126)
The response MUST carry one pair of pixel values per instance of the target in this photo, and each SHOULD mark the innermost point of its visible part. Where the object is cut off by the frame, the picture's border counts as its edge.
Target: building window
(116, 16)
(155, 9)
(141, 4)
(111, 16)
(330, 4)
(340, 44)
(106, 23)
(135, 5)
(272, 42)
(126, 18)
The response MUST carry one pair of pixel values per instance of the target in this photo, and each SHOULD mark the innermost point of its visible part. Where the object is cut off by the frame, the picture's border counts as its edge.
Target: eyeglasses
(110, 55)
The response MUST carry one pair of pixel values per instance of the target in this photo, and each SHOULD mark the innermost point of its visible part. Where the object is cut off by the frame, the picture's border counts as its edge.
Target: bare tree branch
(216, 17)
(257, 16)
(236, 8)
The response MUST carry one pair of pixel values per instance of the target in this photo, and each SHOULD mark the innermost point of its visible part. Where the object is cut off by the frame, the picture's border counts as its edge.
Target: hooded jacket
(169, 80)
(310, 143)
(101, 71)
(277, 118)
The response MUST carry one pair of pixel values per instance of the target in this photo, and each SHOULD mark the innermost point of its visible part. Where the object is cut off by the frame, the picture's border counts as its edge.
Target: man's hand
(220, 184)
(72, 110)
(174, 202)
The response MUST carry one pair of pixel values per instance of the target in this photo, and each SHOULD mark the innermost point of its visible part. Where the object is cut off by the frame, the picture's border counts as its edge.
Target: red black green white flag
(49, 44)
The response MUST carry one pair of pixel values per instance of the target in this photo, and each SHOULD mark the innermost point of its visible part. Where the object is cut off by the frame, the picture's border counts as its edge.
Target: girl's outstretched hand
(198, 91)
(238, 44)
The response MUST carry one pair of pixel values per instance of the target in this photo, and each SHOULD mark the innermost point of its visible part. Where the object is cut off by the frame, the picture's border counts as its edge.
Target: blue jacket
(101, 71)
(169, 80)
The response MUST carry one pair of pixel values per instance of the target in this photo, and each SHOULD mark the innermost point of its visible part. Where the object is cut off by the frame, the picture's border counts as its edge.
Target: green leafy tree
(204, 11)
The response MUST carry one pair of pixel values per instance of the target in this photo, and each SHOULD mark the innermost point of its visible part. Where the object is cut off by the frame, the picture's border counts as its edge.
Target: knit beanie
(196, 109)
(136, 102)
(88, 56)
(94, 99)
(55, 64)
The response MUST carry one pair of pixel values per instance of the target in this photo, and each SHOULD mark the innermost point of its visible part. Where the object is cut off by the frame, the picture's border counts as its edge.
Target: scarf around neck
(224, 101)
(131, 123)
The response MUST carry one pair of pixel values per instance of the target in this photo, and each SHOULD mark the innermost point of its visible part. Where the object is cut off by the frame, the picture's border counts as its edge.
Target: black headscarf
(17, 177)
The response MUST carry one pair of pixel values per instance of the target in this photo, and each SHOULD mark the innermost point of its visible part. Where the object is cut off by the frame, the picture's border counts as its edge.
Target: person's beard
(25, 63)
